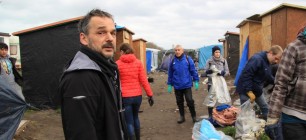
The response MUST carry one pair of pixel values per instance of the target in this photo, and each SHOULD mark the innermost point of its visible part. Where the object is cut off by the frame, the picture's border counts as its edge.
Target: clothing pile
(225, 114)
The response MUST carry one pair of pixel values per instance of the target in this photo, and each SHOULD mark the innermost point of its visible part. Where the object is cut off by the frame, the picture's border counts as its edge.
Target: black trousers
(187, 93)
(294, 131)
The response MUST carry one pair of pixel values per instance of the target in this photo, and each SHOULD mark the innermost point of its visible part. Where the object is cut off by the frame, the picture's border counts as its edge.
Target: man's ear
(83, 39)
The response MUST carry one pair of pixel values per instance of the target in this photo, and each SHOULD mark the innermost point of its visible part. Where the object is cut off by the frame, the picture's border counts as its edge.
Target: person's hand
(209, 71)
(150, 100)
(222, 73)
(251, 96)
(196, 85)
(271, 121)
(169, 89)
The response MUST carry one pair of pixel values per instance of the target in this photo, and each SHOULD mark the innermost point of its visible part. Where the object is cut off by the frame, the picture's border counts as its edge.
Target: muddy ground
(157, 122)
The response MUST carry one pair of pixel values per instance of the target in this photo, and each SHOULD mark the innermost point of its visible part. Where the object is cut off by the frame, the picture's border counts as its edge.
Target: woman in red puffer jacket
(132, 78)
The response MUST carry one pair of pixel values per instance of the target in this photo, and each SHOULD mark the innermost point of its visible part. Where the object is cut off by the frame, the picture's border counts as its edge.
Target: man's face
(101, 36)
(3, 52)
(274, 58)
(178, 51)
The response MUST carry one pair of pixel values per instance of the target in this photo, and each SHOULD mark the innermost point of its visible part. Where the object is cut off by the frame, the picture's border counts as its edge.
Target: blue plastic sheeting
(148, 60)
(205, 53)
(243, 60)
(12, 108)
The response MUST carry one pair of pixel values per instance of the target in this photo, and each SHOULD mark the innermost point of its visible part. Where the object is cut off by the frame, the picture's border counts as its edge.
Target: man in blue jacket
(181, 73)
(255, 73)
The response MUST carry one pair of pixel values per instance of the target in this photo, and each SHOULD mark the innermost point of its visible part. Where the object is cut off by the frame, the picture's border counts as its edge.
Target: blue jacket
(255, 73)
(182, 72)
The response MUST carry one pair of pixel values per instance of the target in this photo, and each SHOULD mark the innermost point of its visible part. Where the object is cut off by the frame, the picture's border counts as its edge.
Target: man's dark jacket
(255, 73)
(90, 104)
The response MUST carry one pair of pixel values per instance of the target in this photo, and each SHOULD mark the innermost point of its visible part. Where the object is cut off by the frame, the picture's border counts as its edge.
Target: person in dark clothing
(8, 69)
(91, 101)
(255, 73)
(181, 73)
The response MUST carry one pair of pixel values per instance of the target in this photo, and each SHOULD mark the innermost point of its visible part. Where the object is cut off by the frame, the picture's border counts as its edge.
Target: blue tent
(205, 53)
(243, 60)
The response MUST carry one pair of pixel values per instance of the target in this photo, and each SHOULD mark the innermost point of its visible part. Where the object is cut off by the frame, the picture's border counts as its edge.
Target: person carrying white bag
(216, 69)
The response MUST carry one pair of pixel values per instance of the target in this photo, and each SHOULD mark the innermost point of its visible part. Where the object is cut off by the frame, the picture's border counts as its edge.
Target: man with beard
(90, 93)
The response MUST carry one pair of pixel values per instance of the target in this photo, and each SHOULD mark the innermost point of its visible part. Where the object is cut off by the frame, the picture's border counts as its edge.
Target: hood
(82, 61)
(302, 35)
(128, 58)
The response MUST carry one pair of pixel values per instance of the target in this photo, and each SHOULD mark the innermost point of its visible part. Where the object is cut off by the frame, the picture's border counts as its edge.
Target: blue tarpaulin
(243, 60)
(12, 108)
(148, 59)
(205, 53)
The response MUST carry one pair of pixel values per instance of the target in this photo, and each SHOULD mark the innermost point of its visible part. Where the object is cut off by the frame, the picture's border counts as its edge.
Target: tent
(205, 53)
(151, 59)
(12, 108)
(166, 56)
(243, 60)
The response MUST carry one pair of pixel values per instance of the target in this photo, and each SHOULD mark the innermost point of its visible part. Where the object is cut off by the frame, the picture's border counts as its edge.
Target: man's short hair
(276, 49)
(3, 46)
(83, 23)
(126, 48)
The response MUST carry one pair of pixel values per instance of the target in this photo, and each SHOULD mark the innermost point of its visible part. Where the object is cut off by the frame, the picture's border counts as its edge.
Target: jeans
(132, 105)
(260, 101)
(294, 131)
(274, 131)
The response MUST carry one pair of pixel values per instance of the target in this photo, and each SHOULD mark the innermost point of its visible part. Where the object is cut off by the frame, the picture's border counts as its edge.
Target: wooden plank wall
(279, 27)
(255, 36)
(244, 32)
(140, 46)
(266, 32)
(296, 19)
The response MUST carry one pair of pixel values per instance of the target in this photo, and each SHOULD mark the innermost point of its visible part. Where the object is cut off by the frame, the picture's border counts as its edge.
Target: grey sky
(191, 23)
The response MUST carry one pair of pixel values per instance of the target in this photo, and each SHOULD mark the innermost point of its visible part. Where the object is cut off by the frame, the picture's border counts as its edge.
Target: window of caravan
(13, 49)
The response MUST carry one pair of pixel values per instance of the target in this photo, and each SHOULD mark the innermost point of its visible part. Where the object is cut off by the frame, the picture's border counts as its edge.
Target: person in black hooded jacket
(90, 93)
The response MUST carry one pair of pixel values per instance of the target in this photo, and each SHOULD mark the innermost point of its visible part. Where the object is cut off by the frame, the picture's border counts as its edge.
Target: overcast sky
(191, 23)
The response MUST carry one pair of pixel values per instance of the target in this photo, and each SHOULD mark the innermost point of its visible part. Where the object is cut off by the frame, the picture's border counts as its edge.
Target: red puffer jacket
(132, 76)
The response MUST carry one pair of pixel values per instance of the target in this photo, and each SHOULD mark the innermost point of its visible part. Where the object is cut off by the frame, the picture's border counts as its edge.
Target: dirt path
(157, 122)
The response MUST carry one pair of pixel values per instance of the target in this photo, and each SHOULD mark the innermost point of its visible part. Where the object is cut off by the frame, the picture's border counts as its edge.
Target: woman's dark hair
(126, 48)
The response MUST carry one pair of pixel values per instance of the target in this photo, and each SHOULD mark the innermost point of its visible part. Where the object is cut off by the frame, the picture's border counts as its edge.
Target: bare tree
(153, 46)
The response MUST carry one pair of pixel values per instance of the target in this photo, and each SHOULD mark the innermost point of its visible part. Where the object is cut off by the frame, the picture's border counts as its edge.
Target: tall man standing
(288, 99)
(90, 88)
(181, 73)
(255, 73)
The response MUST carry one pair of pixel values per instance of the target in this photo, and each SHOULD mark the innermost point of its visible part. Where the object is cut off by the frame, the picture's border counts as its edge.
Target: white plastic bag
(218, 92)
(247, 125)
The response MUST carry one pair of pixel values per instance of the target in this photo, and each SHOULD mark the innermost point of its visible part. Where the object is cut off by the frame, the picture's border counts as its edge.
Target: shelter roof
(47, 26)
(4, 34)
(254, 18)
(281, 6)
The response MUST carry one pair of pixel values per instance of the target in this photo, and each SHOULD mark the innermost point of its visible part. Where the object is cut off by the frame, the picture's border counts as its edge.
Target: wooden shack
(281, 24)
(45, 50)
(231, 50)
(278, 26)
(140, 46)
(251, 27)
(124, 35)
